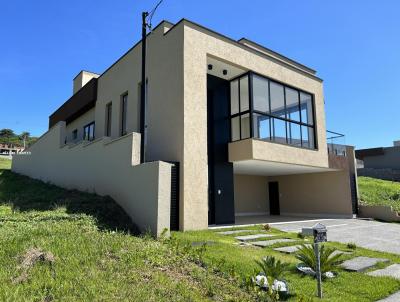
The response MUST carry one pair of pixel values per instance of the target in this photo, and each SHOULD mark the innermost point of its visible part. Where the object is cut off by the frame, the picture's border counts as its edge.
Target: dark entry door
(220, 170)
(273, 187)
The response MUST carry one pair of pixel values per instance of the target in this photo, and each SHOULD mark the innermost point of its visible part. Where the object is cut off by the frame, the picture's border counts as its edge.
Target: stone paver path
(234, 232)
(253, 237)
(390, 271)
(392, 298)
(288, 249)
(270, 242)
(360, 264)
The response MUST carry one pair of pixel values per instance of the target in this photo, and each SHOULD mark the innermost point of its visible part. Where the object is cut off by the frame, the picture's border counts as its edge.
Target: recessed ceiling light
(224, 72)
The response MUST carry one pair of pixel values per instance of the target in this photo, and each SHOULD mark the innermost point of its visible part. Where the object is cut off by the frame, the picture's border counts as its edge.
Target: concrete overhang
(248, 153)
(269, 168)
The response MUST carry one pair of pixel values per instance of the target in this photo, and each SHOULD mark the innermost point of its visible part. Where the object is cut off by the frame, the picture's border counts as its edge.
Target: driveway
(374, 235)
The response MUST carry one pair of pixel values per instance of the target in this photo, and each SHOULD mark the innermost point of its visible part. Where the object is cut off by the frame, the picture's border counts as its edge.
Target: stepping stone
(234, 232)
(392, 298)
(390, 271)
(252, 237)
(360, 264)
(270, 242)
(287, 249)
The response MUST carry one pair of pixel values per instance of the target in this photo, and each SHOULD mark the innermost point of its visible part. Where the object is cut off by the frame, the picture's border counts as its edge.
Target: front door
(220, 170)
(273, 188)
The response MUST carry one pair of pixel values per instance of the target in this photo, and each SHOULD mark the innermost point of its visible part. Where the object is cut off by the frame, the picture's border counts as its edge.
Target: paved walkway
(374, 235)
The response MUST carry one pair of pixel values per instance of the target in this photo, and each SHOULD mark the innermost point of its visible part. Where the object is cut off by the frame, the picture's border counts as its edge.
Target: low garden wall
(385, 174)
(385, 213)
(105, 167)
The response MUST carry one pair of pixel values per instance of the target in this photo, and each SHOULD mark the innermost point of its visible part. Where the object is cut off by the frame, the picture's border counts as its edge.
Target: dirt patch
(29, 259)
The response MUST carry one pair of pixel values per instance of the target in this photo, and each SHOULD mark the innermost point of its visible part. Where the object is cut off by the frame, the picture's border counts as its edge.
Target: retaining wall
(106, 167)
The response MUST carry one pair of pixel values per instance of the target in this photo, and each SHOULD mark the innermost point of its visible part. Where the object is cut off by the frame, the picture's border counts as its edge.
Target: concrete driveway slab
(392, 298)
(374, 235)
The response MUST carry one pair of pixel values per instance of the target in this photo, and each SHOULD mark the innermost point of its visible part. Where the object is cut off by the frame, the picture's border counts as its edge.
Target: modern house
(233, 130)
(380, 162)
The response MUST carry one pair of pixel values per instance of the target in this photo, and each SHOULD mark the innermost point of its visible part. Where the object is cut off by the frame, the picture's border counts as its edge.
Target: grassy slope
(379, 192)
(93, 261)
(348, 287)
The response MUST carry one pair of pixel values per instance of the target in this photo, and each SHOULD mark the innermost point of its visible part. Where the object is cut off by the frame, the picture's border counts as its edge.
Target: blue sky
(354, 46)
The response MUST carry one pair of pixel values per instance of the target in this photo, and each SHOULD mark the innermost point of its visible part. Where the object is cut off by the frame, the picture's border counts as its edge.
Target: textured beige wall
(165, 107)
(251, 194)
(78, 124)
(250, 149)
(326, 193)
(198, 44)
(106, 167)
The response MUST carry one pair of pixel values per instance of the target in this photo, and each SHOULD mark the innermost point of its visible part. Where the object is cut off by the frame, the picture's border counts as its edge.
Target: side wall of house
(106, 167)
(389, 160)
(251, 195)
(321, 194)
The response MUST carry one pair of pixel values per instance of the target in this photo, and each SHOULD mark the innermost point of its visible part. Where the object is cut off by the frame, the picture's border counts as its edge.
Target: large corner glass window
(271, 111)
(240, 109)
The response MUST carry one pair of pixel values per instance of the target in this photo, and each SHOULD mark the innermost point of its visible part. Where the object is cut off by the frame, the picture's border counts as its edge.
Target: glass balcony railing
(336, 143)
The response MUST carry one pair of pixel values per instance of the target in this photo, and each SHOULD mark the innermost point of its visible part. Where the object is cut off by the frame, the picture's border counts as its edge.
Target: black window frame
(91, 127)
(123, 110)
(108, 123)
(272, 116)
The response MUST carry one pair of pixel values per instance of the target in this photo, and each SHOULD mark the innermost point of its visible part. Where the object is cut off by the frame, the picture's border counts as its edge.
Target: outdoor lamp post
(320, 235)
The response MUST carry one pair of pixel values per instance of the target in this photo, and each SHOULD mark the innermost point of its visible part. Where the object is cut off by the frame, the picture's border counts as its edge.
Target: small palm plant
(272, 268)
(328, 261)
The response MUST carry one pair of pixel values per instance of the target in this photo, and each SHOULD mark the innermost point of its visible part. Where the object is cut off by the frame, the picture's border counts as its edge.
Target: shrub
(328, 261)
(267, 227)
(272, 268)
(351, 246)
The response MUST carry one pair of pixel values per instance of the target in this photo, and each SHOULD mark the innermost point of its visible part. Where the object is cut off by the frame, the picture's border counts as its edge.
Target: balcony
(337, 150)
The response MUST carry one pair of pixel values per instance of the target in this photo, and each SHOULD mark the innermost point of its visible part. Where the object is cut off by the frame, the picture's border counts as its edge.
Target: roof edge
(280, 56)
(292, 66)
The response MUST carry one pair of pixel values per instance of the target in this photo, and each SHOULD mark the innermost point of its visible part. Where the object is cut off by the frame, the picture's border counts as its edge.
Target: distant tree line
(8, 137)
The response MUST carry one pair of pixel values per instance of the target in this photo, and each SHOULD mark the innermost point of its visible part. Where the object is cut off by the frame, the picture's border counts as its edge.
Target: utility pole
(143, 101)
(143, 86)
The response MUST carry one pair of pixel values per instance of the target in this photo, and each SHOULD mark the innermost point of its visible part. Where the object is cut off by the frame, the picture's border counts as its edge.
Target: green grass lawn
(90, 254)
(5, 163)
(379, 192)
(95, 256)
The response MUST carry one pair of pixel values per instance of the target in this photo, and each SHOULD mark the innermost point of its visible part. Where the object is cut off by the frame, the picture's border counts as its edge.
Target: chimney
(82, 78)
(396, 143)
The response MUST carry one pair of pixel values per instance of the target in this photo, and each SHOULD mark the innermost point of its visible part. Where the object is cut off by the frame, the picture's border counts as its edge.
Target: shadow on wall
(27, 194)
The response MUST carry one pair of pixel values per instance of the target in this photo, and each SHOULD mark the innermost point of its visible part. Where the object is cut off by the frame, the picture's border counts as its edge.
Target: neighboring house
(233, 129)
(381, 162)
(9, 149)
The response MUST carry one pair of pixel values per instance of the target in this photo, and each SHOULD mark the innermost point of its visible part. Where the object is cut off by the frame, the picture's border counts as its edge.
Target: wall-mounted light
(210, 67)
(224, 72)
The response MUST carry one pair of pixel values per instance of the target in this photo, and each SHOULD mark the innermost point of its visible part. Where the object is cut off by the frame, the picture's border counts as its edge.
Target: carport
(269, 192)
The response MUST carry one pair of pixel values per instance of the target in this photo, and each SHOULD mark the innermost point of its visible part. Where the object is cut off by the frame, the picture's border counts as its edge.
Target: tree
(7, 134)
(24, 136)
